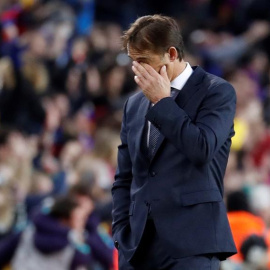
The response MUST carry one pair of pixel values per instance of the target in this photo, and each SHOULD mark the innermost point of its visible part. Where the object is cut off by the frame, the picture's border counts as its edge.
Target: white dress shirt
(179, 82)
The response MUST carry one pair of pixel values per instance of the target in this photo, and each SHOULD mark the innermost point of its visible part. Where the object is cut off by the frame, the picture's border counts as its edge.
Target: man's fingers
(139, 68)
(136, 78)
(138, 73)
(150, 70)
(163, 73)
(138, 81)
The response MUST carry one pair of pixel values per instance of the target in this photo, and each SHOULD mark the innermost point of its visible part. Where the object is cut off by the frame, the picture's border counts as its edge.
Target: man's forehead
(135, 54)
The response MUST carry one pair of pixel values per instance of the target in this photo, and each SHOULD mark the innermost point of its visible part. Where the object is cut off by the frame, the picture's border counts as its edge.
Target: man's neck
(178, 68)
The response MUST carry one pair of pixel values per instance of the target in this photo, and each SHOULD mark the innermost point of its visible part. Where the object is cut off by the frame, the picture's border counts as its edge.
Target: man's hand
(154, 85)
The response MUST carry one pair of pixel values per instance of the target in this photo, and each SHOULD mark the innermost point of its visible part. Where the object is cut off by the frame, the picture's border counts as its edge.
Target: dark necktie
(154, 133)
(153, 138)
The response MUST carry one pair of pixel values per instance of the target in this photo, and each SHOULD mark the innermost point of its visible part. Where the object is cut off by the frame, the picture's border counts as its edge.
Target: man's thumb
(163, 72)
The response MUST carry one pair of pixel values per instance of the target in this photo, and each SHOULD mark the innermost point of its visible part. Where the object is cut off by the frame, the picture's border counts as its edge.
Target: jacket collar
(191, 86)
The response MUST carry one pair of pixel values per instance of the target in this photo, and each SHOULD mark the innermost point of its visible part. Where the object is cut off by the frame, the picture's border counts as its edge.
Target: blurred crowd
(63, 82)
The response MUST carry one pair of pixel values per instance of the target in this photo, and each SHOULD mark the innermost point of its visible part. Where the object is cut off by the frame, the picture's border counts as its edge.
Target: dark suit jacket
(183, 183)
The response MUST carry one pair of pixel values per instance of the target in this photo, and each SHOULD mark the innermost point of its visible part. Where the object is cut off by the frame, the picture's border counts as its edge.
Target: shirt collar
(182, 78)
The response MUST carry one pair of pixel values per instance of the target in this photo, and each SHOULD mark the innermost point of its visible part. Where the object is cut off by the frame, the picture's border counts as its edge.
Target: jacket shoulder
(136, 97)
(213, 82)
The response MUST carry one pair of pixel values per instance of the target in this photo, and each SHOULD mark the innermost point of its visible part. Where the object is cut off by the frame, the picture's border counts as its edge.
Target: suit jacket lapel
(189, 89)
(142, 110)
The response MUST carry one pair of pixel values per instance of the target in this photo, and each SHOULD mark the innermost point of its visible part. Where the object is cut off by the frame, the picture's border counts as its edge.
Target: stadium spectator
(254, 250)
(243, 223)
(55, 239)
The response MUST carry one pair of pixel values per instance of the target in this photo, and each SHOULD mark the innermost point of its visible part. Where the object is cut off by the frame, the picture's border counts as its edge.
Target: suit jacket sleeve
(123, 178)
(200, 139)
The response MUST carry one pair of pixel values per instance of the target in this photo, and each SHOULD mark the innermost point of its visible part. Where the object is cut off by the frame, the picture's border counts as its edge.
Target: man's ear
(173, 54)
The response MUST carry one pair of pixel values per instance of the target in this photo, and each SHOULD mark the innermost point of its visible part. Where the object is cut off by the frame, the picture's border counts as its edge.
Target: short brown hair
(155, 33)
(63, 207)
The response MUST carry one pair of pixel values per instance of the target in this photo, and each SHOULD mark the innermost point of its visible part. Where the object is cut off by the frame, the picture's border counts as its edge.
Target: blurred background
(63, 83)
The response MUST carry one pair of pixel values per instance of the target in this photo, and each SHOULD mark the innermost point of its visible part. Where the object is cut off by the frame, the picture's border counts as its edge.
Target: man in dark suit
(168, 210)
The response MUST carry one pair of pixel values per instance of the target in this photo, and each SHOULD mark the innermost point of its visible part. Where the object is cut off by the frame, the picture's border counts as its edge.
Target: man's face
(156, 61)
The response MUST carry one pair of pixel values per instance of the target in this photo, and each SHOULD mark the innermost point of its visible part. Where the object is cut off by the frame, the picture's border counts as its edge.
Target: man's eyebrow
(141, 59)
